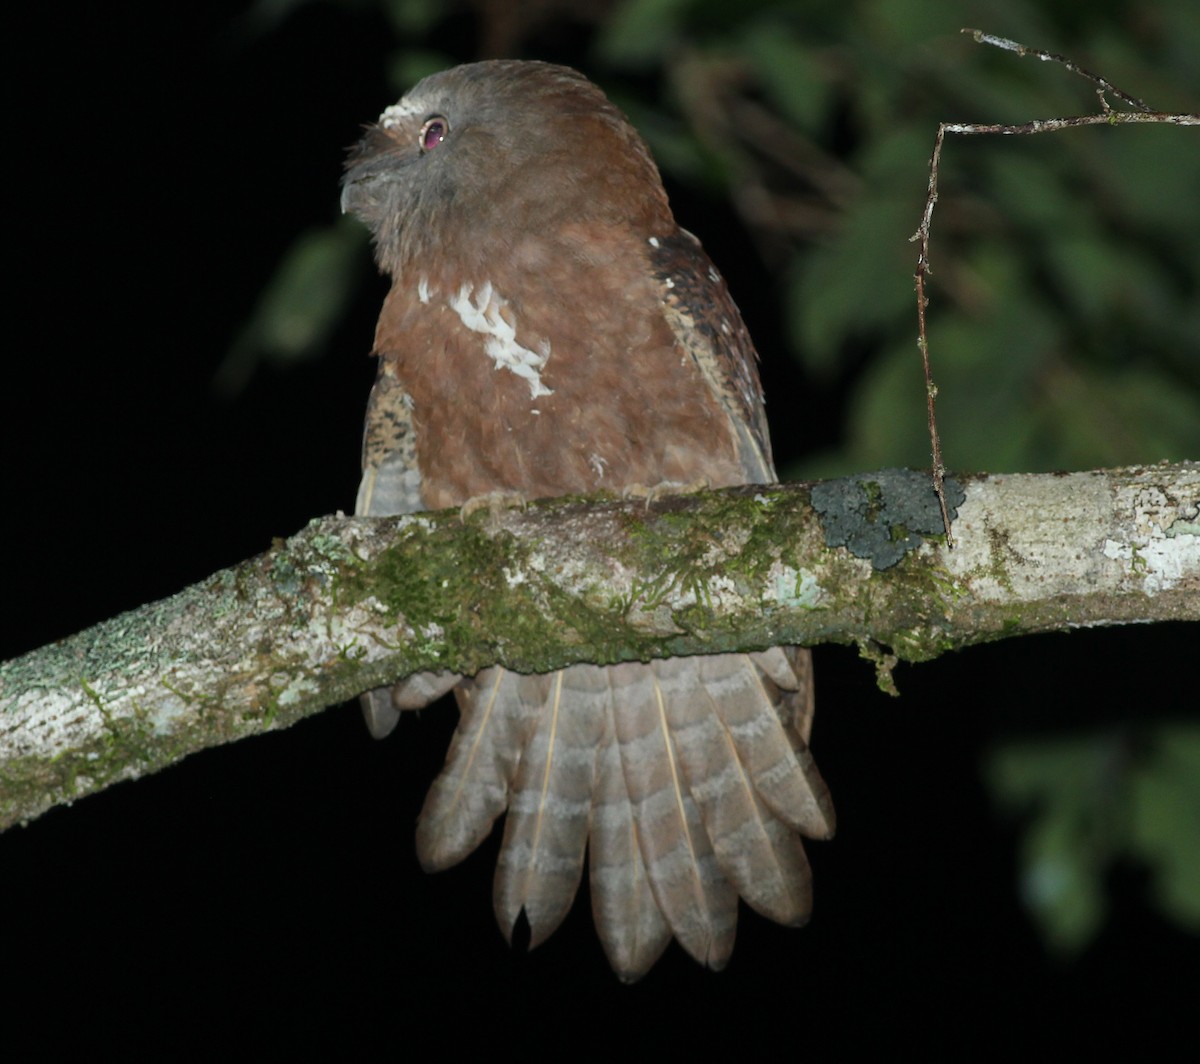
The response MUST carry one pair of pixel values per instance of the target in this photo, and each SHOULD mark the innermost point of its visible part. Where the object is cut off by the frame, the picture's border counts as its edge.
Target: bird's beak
(348, 193)
(373, 162)
(359, 180)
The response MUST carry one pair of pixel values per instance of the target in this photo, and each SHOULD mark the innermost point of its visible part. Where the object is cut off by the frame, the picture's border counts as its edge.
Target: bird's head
(474, 157)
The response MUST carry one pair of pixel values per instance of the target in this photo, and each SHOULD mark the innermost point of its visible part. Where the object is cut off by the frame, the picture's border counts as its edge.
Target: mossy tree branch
(351, 603)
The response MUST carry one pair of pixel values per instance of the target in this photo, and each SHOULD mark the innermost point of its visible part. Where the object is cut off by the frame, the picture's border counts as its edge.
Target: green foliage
(302, 304)
(790, 74)
(1166, 811)
(1065, 330)
(1094, 800)
(1064, 317)
(639, 32)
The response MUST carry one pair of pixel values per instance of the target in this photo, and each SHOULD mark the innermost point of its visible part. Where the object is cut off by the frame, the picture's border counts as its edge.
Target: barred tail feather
(546, 831)
(768, 722)
(498, 710)
(695, 898)
(762, 858)
(630, 924)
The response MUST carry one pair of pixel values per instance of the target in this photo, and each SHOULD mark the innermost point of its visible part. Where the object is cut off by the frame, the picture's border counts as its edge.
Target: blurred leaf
(790, 72)
(1118, 418)
(1060, 879)
(1097, 799)
(411, 65)
(983, 412)
(639, 32)
(1031, 194)
(1181, 45)
(1150, 176)
(909, 23)
(986, 368)
(859, 281)
(265, 16)
(1091, 271)
(411, 18)
(1166, 820)
(1070, 787)
(301, 304)
(887, 415)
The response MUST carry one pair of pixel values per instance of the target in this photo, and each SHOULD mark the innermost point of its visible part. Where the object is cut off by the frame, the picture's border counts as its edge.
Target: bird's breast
(547, 386)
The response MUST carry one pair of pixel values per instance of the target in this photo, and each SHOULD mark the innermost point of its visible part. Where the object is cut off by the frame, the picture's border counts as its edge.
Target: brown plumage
(549, 330)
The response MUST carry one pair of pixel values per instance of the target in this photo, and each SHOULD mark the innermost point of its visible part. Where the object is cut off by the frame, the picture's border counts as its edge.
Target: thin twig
(1142, 113)
(924, 270)
(1103, 84)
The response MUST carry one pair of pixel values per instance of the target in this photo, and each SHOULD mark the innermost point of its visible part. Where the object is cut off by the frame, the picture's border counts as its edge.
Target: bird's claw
(652, 493)
(495, 502)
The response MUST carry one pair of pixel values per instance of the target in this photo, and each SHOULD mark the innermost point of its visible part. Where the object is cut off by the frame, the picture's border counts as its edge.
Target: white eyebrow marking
(398, 112)
(484, 314)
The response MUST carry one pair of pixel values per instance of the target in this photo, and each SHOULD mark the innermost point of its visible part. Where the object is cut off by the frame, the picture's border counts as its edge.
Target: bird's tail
(689, 779)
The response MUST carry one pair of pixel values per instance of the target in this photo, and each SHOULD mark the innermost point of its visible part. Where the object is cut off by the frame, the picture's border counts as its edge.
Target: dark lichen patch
(882, 516)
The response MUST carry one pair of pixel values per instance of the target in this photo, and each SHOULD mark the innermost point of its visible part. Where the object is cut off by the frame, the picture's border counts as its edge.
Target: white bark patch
(1159, 545)
(483, 311)
(793, 588)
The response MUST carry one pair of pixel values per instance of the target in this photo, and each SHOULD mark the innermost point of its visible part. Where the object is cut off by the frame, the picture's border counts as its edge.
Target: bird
(550, 329)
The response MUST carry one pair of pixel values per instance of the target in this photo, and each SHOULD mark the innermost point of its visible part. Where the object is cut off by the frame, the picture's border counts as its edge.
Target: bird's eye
(433, 132)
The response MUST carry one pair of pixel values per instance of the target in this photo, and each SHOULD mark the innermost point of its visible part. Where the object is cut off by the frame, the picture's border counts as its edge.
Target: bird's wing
(391, 484)
(391, 481)
(708, 327)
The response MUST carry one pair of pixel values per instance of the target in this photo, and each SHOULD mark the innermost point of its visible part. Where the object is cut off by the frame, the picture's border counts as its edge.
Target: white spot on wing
(481, 311)
(423, 289)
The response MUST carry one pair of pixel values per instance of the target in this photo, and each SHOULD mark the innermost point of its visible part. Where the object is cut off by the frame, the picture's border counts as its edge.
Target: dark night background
(267, 893)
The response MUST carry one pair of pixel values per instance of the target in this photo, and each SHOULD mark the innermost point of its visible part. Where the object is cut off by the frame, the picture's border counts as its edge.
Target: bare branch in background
(1107, 116)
